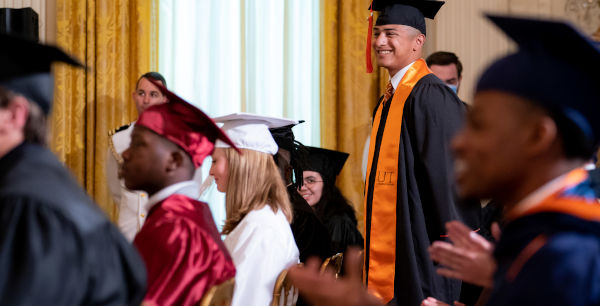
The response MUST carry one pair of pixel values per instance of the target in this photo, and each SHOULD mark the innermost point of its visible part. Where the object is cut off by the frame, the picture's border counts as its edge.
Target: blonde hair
(254, 181)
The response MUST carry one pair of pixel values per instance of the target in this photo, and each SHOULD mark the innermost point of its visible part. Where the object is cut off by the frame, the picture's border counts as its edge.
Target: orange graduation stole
(380, 243)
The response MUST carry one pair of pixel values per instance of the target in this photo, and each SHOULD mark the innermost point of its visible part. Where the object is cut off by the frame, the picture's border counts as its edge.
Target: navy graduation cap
(328, 163)
(26, 68)
(556, 66)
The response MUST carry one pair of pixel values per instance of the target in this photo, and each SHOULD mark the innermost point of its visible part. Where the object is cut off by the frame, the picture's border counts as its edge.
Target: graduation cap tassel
(369, 36)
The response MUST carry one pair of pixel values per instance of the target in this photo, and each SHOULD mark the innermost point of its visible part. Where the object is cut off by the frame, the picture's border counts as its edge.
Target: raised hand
(468, 257)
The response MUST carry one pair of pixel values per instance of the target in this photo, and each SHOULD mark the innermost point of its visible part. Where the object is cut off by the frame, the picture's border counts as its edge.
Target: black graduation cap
(406, 12)
(328, 163)
(556, 66)
(284, 137)
(26, 68)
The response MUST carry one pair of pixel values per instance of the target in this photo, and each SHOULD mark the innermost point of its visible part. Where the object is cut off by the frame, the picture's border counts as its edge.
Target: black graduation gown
(56, 245)
(426, 197)
(343, 231)
(310, 234)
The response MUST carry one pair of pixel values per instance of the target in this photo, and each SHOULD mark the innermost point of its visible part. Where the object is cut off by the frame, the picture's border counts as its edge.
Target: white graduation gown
(261, 245)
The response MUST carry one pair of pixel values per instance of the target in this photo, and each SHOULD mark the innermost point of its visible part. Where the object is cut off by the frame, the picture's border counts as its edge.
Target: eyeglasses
(309, 181)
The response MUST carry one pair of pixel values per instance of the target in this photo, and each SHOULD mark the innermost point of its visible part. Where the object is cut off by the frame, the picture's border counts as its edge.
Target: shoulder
(119, 129)
(41, 180)
(119, 140)
(431, 92)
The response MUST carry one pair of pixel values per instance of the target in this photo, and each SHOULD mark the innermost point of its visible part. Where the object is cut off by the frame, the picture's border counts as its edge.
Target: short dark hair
(152, 75)
(35, 130)
(443, 58)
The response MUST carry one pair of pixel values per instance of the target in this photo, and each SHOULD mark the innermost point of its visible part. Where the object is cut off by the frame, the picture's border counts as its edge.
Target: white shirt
(261, 246)
(395, 80)
(131, 204)
(187, 188)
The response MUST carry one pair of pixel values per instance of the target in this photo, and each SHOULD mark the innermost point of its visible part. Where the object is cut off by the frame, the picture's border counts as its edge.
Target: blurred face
(145, 161)
(490, 151)
(220, 169)
(312, 187)
(448, 74)
(396, 46)
(147, 94)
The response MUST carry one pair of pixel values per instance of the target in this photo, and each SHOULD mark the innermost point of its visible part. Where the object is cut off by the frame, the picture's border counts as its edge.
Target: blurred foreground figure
(56, 245)
(525, 146)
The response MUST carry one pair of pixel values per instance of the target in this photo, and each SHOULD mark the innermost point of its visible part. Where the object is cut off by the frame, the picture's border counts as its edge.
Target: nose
(380, 40)
(303, 187)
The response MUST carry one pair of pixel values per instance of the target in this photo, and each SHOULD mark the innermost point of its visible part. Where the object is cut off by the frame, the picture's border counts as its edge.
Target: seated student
(311, 235)
(179, 241)
(259, 212)
(331, 206)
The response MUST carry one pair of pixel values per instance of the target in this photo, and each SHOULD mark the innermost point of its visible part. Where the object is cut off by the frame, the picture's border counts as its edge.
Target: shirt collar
(186, 188)
(395, 80)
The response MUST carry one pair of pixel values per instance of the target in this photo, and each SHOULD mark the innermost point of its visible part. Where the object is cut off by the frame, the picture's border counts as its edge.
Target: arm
(259, 258)
(433, 116)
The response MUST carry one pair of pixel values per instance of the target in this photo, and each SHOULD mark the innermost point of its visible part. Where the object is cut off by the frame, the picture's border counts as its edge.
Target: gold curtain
(348, 94)
(118, 41)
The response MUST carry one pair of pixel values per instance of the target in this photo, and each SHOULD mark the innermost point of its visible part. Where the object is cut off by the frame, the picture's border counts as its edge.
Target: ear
(419, 41)
(175, 161)
(544, 134)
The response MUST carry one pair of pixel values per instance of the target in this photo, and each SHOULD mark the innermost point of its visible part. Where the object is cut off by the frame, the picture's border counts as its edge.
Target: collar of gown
(395, 80)
(186, 188)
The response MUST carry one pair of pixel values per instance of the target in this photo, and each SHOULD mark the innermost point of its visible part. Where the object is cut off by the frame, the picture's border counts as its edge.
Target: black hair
(332, 202)
(443, 58)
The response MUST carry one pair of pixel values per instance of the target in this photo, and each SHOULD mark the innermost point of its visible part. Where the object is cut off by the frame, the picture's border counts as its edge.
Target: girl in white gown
(259, 213)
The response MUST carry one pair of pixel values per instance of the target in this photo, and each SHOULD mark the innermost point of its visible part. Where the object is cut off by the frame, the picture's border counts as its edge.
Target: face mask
(453, 87)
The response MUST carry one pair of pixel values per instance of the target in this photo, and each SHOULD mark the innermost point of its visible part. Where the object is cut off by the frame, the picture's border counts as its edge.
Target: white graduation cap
(251, 131)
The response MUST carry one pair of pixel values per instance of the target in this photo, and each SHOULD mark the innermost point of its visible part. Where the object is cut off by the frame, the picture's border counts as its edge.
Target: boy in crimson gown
(179, 242)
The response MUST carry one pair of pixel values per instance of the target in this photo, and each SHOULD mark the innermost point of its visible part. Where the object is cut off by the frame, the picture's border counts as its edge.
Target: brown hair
(254, 181)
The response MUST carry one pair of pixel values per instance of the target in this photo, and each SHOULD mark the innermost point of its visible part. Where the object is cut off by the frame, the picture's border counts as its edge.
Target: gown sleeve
(344, 233)
(48, 260)
(435, 115)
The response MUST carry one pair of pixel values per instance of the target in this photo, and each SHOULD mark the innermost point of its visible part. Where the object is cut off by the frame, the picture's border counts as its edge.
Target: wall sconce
(586, 14)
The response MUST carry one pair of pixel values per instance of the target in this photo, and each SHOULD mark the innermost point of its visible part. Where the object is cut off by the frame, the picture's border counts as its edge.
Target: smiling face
(312, 187)
(492, 151)
(396, 46)
(220, 169)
